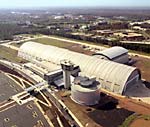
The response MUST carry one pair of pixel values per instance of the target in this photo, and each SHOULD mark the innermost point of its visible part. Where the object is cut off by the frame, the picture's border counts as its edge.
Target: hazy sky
(62, 3)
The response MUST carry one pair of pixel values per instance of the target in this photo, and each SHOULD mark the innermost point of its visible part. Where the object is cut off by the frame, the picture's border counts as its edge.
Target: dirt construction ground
(144, 65)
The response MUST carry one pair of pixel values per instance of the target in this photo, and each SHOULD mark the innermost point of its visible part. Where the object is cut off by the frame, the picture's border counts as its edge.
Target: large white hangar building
(112, 76)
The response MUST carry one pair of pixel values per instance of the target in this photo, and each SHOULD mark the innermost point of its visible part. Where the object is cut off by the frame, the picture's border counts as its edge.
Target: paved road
(66, 40)
(76, 42)
(136, 42)
(10, 46)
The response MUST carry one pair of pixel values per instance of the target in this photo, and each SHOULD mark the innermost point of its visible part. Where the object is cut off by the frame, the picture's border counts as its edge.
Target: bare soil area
(110, 112)
(144, 65)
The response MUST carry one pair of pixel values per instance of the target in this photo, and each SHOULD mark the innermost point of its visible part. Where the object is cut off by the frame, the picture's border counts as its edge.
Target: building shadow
(147, 84)
(131, 62)
(110, 118)
(141, 89)
(107, 113)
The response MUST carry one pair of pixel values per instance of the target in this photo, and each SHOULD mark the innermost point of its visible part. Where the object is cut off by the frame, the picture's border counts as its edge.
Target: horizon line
(78, 7)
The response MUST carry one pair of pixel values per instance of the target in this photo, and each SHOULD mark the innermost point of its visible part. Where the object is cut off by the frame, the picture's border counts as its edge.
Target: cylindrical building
(85, 95)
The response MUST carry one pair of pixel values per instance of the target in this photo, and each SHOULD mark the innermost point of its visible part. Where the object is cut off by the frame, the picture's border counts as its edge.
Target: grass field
(86, 42)
(53, 42)
(48, 41)
(9, 54)
(98, 44)
(64, 44)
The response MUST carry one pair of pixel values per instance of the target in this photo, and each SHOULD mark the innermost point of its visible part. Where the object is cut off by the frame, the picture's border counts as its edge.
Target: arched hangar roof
(113, 52)
(112, 76)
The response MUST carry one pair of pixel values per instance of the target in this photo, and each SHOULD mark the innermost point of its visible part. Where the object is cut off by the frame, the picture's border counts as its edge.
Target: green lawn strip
(133, 117)
(9, 54)
(63, 44)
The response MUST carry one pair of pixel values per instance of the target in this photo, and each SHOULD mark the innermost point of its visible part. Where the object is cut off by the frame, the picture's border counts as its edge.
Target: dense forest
(7, 31)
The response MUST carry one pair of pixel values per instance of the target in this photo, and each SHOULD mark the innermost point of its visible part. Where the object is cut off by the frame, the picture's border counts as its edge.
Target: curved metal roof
(112, 76)
(112, 52)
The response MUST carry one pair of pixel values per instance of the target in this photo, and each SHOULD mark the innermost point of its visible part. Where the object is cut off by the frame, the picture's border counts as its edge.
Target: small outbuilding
(116, 54)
